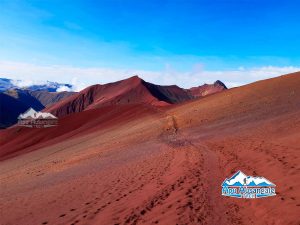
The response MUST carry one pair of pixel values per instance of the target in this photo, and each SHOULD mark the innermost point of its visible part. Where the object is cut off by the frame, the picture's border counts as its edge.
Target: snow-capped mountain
(240, 179)
(8, 84)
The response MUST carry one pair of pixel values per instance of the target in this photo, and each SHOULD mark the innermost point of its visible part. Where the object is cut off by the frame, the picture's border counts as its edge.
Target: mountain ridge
(132, 90)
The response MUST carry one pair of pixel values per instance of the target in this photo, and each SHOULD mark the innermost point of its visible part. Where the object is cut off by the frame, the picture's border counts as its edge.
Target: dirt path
(176, 187)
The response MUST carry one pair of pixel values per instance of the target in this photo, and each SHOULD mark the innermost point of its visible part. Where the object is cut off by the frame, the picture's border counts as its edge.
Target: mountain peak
(220, 83)
(135, 78)
(207, 89)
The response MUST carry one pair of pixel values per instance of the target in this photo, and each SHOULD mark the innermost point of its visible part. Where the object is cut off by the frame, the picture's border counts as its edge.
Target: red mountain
(129, 91)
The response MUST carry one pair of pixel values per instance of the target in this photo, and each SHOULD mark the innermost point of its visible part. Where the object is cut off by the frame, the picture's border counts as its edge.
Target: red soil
(144, 165)
(18, 140)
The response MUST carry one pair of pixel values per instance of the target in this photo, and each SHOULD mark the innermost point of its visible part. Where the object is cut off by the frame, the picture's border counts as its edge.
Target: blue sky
(179, 38)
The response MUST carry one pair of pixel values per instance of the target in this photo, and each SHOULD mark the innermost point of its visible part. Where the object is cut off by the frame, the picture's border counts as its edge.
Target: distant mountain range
(8, 84)
(16, 100)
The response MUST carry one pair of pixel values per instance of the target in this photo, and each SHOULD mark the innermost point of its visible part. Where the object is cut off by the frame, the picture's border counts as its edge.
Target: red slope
(19, 140)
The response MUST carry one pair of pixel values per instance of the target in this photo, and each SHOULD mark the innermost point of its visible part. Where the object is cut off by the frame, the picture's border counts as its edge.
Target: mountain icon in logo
(240, 179)
(243, 186)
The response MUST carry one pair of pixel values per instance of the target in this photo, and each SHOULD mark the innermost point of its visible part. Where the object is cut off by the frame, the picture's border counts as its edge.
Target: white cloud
(26, 83)
(22, 83)
(81, 77)
(63, 88)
